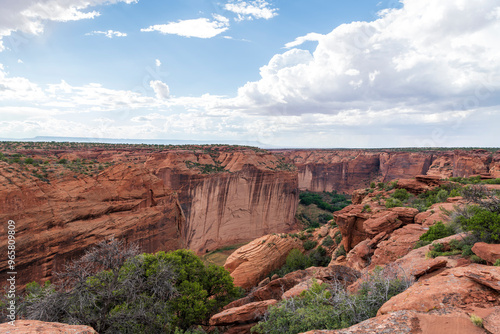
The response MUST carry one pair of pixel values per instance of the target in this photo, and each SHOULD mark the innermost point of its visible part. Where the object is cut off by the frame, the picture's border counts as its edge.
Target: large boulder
(488, 252)
(249, 264)
(251, 312)
(41, 327)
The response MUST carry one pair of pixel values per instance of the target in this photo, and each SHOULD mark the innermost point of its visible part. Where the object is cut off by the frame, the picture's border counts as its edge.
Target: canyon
(197, 197)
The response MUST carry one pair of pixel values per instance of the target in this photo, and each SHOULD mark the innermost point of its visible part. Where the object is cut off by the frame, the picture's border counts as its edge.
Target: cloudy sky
(316, 73)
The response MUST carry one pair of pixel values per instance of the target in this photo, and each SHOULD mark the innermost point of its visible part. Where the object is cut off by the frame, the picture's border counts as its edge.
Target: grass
(476, 320)
(220, 255)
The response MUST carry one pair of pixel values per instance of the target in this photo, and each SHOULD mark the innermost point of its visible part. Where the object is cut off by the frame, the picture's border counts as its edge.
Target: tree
(114, 290)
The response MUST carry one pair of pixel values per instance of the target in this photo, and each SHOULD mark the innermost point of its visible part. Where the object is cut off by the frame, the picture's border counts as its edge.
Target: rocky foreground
(446, 292)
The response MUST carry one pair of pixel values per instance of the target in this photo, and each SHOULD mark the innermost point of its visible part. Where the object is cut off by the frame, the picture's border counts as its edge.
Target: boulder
(451, 288)
(400, 243)
(299, 288)
(249, 264)
(41, 327)
(437, 212)
(488, 252)
(410, 322)
(359, 257)
(406, 215)
(251, 312)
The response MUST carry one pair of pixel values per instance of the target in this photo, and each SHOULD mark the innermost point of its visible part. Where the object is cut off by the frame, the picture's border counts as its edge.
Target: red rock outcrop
(451, 288)
(410, 322)
(251, 312)
(249, 264)
(40, 327)
(162, 201)
(488, 252)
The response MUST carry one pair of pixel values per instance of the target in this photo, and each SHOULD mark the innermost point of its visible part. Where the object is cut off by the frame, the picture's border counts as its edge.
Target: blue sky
(317, 73)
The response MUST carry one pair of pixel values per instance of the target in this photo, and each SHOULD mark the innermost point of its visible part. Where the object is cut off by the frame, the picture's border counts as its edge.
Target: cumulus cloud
(249, 10)
(201, 28)
(161, 89)
(29, 16)
(427, 57)
(311, 37)
(157, 62)
(108, 34)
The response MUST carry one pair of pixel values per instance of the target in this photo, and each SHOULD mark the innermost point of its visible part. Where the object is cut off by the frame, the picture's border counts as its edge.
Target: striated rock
(406, 215)
(251, 312)
(249, 264)
(40, 327)
(488, 252)
(451, 288)
(382, 222)
(410, 322)
(161, 201)
(490, 279)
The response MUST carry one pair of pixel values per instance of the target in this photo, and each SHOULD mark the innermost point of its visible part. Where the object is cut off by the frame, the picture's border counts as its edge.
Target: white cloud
(108, 34)
(29, 16)
(157, 62)
(249, 10)
(19, 61)
(311, 37)
(161, 89)
(201, 28)
(428, 56)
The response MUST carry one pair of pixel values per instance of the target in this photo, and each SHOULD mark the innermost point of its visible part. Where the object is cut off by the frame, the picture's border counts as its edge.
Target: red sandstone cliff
(162, 201)
(348, 170)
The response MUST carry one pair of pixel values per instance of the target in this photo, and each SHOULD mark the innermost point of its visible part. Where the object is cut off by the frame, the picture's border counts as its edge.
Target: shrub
(484, 224)
(340, 251)
(114, 291)
(328, 241)
(497, 263)
(437, 231)
(401, 194)
(318, 257)
(309, 244)
(477, 259)
(392, 203)
(331, 306)
(476, 320)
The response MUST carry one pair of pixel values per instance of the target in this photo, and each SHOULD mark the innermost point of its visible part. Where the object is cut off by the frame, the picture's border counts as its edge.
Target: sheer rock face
(40, 327)
(247, 201)
(348, 170)
(162, 201)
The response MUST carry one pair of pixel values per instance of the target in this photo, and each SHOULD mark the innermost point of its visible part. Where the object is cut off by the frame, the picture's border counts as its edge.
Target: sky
(284, 73)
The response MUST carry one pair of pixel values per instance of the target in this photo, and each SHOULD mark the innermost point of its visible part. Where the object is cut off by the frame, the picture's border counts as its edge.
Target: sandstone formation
(202, 199)
(249, 264)
(251, 312)
(410, 322)
(40, 327)
(488, 252)
(348, 170)
(451, 288)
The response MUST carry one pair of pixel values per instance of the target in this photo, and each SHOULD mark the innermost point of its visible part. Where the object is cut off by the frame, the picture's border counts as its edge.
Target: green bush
(340, 251)
(497, 263)
(392, 203)
(484, 224)
(114, 291)
(401, 194)
(331, 306)
(309, 244)
(437, 231)
(328, 241)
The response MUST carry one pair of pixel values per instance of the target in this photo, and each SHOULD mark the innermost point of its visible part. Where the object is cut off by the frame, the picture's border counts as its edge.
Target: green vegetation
(422, 202)
(315, 208)
(205, 168)
(331, 306)
(114, 290)
(435, 232)
(296, 260)
(309, 244)
(474, 180)
(497, 263)
(328, 241)
(476, 320)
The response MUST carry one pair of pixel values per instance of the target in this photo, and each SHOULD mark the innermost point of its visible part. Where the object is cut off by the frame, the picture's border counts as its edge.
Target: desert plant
(476, 320)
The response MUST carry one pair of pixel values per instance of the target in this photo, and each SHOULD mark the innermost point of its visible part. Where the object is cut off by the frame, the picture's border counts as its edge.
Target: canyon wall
(347, 170)
(161, 201)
